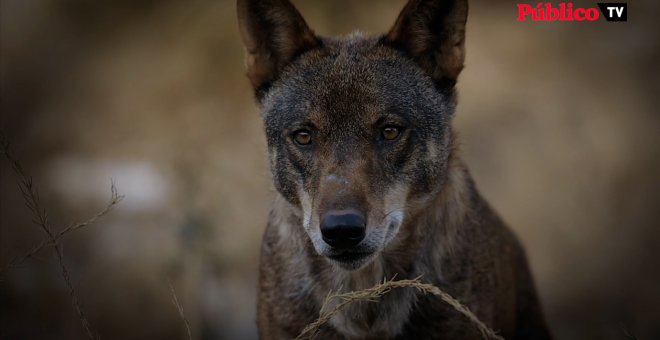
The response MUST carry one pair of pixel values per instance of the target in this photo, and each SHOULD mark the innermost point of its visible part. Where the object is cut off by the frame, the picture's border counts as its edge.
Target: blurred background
(559, 124)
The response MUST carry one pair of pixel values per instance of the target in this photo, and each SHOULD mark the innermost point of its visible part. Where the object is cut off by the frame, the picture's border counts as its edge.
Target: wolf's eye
(302, 137)
(391, 132)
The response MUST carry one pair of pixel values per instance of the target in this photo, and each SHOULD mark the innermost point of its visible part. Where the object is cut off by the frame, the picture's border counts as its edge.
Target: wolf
(370, 184)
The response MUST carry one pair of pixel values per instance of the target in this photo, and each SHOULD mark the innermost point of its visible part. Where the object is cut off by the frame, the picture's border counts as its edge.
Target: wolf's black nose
(343, 228)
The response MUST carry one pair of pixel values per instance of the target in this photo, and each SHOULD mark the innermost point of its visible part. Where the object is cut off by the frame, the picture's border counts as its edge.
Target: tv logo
(614, 11)
(565, 11)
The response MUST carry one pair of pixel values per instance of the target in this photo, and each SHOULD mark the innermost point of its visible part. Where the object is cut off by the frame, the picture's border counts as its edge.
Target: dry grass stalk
(178, 306)
(115, 198)
(33, 203)
(374, 293)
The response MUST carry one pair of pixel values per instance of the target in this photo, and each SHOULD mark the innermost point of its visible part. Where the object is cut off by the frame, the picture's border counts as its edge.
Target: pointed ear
(273, 33)
(432, 32)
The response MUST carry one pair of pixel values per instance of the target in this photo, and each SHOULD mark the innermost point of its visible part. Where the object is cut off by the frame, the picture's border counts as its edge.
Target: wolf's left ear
(273, 33)
(432, 32)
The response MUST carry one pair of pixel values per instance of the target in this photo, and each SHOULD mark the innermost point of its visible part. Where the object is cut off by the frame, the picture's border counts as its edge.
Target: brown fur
(424, 214)
(291, 36)
(441, 54)
(456, 243)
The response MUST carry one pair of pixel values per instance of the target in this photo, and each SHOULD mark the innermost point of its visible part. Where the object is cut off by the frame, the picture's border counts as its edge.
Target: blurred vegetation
(559, 125)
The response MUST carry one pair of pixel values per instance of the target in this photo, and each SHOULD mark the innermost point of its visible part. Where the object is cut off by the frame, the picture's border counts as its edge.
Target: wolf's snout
(343, 229)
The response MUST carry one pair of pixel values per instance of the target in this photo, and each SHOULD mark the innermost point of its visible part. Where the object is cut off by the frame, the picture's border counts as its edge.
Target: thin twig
(374, 293)
(32, 201)
(115, 198)
(176, 303)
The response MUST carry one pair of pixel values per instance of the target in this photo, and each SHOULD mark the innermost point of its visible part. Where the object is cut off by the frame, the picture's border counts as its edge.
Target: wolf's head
(358, 128)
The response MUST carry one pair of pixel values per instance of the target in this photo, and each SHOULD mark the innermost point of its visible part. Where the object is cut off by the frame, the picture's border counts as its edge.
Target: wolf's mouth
(348, 257)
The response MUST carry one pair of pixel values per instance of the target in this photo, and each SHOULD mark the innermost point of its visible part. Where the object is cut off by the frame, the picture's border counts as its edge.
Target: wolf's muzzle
(342, 229)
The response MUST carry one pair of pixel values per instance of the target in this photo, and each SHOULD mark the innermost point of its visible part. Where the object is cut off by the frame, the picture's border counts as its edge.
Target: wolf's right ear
(273, 33)
(432, 32)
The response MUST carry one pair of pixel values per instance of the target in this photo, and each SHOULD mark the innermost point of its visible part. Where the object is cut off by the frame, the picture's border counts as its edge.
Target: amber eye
(391, 132)
(302, 137)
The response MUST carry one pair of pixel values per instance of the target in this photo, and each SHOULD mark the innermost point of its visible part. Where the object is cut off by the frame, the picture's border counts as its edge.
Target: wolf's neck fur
(429, 233)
